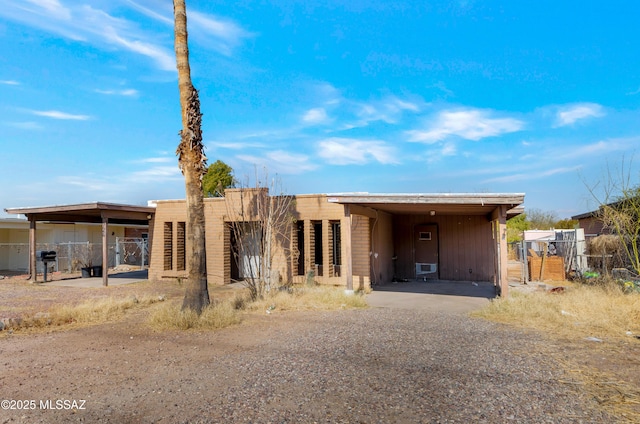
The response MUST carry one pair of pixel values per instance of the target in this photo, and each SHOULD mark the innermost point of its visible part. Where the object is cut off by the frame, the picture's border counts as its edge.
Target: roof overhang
(94, 212)
(435, 203)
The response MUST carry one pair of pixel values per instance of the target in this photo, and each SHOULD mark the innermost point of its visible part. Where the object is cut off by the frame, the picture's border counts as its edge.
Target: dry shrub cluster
(94, 311)
(602, 311)
(215, 316)
(304, 298)
(228, 312)
(611, 251)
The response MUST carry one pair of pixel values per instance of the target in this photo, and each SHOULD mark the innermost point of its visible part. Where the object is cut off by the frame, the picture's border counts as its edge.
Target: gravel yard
(381, 365)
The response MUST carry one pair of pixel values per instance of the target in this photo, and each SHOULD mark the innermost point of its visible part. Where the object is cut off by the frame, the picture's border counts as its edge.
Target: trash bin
(96, 271)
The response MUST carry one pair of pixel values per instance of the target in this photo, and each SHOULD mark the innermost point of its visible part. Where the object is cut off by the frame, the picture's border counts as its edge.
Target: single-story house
(350, 239)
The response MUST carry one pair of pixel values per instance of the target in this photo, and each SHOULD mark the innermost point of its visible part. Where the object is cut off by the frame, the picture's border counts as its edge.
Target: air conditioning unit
(423, 268)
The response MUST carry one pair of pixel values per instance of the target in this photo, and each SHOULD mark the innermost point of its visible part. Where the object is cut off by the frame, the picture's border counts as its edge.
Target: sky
(541, 98)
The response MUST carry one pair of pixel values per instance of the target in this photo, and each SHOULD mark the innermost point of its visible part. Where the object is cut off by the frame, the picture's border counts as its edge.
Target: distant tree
(516, 227)
(193, 164)
(219, 177)
(541, 220)
(566, 224)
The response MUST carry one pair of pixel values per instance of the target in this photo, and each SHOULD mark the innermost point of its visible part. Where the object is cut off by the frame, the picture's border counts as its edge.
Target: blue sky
(332, 96)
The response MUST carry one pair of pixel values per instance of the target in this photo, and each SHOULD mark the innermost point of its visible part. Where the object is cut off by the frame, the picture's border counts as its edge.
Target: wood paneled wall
(465, 243)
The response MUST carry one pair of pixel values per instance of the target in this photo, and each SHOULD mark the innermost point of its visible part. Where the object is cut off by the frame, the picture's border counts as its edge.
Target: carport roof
(88, 212)
(441, 203)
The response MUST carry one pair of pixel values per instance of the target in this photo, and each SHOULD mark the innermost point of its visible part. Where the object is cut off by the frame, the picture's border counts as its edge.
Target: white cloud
(9, 82)
(56, 114)
(531, 175)
(346, 151)
(470, 124)
(315, 116)
(163, 159)
(27, 125)
(388, 110)
(568, 115)
(281, 162)
(82, 22)
(156, 174)
(226, 34)
(125, 92)
(52, 8)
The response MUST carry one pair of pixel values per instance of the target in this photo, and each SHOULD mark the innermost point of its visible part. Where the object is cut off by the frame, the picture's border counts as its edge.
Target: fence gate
(132, 251)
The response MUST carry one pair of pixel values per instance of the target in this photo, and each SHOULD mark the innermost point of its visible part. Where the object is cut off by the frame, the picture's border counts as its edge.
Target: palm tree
(193, 164)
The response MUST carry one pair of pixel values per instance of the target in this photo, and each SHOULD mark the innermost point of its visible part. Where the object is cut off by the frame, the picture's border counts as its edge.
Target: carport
(96, 213)
(441, 236)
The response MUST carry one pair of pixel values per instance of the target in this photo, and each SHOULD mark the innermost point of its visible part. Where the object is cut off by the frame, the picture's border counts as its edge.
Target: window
(180, 246)
(168, 246)
(425, 235)
(336, 248)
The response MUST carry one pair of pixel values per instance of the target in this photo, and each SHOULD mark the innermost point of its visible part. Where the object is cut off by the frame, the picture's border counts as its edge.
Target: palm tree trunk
(193, 164)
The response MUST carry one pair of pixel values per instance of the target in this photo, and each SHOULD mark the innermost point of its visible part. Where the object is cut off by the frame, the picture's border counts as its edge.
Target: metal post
(117, 251)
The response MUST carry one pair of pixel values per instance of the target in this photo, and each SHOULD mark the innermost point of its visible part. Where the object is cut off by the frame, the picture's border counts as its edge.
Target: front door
(426, 251)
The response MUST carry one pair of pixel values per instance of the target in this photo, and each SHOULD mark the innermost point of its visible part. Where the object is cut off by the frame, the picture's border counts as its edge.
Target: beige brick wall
(238, 205)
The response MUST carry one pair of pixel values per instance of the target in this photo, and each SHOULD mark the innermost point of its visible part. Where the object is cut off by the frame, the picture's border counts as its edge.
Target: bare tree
(193, 164)
(261, 226)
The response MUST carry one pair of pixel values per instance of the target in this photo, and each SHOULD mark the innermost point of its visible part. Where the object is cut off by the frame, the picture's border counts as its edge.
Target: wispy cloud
(570, 114)
(9, 82)
(97, 27)
(388, 109)
(532, 175)
(223, 35)
(315, 116)
(27, 125)
(347, 151)
(56, 114)
(634, 92)
(470, 124)
(161, 159)
(125, 92)
(157, 174)
(281, 162)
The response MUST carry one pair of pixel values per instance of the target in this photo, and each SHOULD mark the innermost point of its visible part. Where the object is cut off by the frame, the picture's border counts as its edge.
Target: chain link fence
(72, 256)
(559, 257)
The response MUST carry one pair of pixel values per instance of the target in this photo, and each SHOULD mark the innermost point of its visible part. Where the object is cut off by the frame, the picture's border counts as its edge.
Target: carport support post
(32, 250)
(105, 251)
(499, 216)
(346, 247)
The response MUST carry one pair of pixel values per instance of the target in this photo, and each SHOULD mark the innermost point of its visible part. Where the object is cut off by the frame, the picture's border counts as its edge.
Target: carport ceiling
(88, 213)
(442, 204)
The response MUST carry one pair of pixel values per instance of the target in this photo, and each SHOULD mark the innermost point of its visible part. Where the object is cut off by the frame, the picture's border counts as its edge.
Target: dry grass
(578, 312)
(217, 315)
(604, 312)
(304, 298)
(228, 311)
(94, 311)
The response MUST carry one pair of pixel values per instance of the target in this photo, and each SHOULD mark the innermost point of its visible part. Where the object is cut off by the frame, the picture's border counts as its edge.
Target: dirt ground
(125, 372)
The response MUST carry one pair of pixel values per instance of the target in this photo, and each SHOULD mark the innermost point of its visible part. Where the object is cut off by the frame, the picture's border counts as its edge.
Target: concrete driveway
(115, 279)
(450, 296)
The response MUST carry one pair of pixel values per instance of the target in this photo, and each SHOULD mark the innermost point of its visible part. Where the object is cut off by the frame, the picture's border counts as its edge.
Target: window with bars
(168, 246)
(180, 246)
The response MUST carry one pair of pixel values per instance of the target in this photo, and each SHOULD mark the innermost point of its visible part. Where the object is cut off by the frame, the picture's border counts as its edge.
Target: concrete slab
(449, 296)
(115, 279)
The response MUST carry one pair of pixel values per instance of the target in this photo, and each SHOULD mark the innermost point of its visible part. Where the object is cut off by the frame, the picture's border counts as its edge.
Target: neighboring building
(591, 223)
(379, 237)
(70, 236)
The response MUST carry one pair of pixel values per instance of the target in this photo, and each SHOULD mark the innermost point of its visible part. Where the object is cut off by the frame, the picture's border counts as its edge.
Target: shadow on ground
(450, 288)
